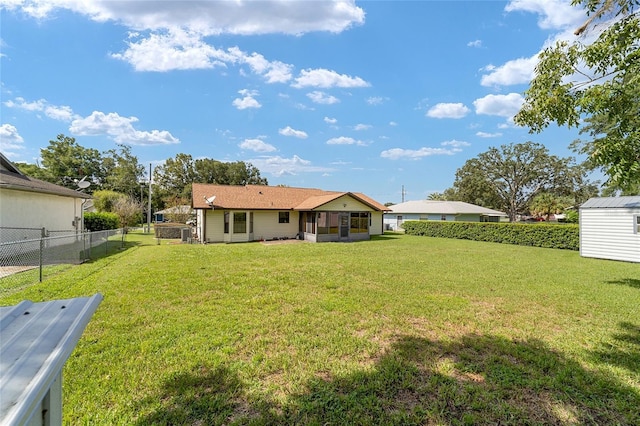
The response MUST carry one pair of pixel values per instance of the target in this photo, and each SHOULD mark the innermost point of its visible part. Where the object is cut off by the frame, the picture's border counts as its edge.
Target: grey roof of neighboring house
(181, 209)
(442, 207)
(12, 178)
(629, 202)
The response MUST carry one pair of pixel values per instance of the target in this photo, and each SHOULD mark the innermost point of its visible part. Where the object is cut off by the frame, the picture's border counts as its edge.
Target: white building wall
(376, 227)
(345, 204)
(266, 225)
(23, 209)
(609, 233)
(214, 226)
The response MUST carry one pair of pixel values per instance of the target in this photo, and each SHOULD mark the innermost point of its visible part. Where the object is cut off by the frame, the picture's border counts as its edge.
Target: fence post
(40, 260)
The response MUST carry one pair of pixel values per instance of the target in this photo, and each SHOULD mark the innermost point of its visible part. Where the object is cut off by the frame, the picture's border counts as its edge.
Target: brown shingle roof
(262, 197)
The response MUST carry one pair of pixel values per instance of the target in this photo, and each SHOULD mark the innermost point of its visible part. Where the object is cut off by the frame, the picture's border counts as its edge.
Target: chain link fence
(24, 261)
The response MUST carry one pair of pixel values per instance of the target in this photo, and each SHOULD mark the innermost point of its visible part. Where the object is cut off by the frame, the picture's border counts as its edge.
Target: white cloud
(330, 120)
(177, 49)
(288, 131)
(344, 140)
(60, 113)
(393, 124)
(279, 166)
(500, 105)
(248, 100)
(256, 145)
(488, 135)
(326, 79)
(319, 97)
(21, 103)
(361, 126)
(209, 17)
(172, 50)
(553, 14)
(455, 144)
(448, 110)
(516, 71)
(120, 129)
(475, 43)
(271, 71)
(10, 139)
(376, 100)
(98, 123)
(415, 154)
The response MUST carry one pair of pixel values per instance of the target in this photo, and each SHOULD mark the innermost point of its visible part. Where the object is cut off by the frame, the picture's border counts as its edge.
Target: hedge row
(101, 221)
(537, 235)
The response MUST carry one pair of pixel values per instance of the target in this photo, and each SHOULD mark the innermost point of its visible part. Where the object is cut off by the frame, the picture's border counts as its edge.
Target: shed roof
(443, 207)
(181, 209)
(37, 339)
(263, 197)
(629, 202)
(12, 178)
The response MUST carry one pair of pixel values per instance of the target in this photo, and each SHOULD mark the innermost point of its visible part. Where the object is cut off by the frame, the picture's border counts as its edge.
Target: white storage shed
(610, 228)
(36, 341)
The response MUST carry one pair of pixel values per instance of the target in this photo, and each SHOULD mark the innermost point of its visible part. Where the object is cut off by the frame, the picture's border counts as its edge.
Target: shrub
(538, 235)
(101, 221)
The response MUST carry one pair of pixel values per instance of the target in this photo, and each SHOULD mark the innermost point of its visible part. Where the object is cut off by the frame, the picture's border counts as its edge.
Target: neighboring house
(610, 228)
(438, 210)
(183, 210)
(26, 202)
(235, 213)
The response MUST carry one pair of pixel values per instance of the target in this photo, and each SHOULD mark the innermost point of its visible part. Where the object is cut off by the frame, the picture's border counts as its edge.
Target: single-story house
(438, 210)
(610, 228)
(236, 213)
(26, 202)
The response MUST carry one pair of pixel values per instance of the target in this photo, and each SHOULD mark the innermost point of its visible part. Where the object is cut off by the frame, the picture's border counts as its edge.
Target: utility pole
(149, 209)
(403, 193)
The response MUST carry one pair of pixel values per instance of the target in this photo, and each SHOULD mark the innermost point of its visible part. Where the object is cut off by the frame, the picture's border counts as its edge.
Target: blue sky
(339, 95)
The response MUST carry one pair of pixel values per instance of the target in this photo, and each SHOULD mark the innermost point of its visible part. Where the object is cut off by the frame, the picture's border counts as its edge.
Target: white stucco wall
(376, 227)
(609, 233)
(22, 209)
(266, 225)
(345, 204)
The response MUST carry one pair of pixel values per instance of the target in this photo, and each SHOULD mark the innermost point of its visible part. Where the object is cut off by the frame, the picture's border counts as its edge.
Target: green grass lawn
(398, 330)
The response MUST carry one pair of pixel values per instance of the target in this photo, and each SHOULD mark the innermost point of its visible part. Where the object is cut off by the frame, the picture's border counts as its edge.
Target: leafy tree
(105, 201)
(546, 203)
(594, 86)
(175, 176)
(571, 216)
(128, 211)
(614, 191)
(181, 209)
(510, 177)
(235, 173)
(32, 170)
(437, 196)
(64, 162)
(122, 171)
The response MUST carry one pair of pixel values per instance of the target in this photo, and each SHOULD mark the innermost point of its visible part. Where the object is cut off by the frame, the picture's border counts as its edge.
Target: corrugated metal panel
(609, 234)
(36, 340)
(631, 202)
